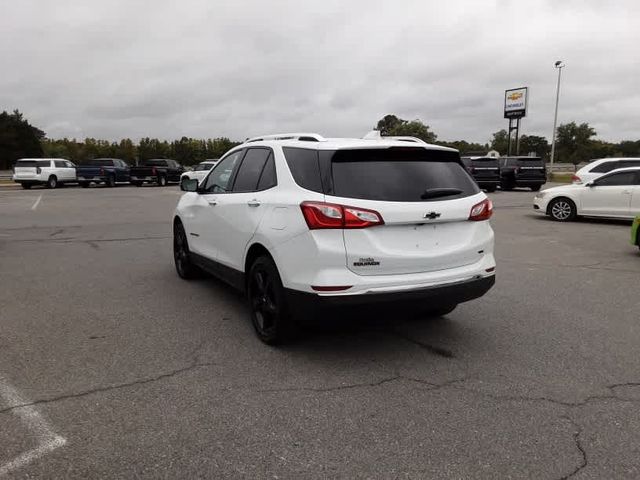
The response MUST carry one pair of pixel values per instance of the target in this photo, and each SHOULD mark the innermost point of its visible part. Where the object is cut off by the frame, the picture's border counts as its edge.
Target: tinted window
(251, 169)
(399, 174)
(203, 167)
(155, 163)
(615, 179)
(218, 180)
(70, 165)
(101, 162)
(629, 163)
(60, 164)
(303, 164)
(268, 178)
(26, 163)
(44, 163)
(604, 167)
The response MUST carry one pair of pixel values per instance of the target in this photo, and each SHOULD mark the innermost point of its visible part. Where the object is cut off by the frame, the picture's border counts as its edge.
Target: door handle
(253, 203)
(212, 203)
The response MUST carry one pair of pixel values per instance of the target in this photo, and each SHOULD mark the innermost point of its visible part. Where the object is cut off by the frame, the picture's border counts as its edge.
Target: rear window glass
(529, 162)
(484, 162)
(33, 163)
(303, 164)
(100, 162)
(203, 167)
(155, 163)
(400, 175)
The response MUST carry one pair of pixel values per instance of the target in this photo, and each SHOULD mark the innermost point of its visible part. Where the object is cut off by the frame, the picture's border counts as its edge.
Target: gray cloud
(137, 68)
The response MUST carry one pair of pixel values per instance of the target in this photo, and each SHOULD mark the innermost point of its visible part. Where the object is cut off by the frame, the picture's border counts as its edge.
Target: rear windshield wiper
(439, 192)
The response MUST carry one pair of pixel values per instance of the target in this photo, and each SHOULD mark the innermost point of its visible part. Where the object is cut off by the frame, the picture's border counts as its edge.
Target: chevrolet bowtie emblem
(431, 215)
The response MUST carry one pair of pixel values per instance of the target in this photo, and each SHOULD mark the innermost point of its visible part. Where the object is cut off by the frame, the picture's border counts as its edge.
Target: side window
(251, 169)
(605, 167)
(268, 179)
(218, 179)
(43, 163)
(617, 179)
(304, 166)
(629, 163)
(60, 164)
(70, 165)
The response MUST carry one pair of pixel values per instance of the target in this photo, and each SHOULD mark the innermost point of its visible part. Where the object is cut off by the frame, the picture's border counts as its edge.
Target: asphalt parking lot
(111, 366)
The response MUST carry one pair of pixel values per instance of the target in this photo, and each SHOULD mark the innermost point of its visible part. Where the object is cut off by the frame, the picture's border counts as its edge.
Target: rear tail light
(101, 171)
(481, 211)
(517, 170)
(338, 288)
(38, 170)
(153, 170)
(575, 179)
(470, 169)
(321, 215)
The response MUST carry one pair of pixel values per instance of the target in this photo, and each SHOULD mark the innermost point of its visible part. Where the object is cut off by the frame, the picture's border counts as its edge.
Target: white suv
(597, 168)
(44, 171)
(199, 171)
(301, 222)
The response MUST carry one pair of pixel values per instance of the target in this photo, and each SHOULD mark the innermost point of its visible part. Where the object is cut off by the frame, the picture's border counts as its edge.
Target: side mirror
(189, 185)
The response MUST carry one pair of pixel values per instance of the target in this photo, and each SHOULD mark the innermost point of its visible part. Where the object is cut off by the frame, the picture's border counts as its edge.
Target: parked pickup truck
(484, 170)
(103, 170)
(156, 170)
(522, 172)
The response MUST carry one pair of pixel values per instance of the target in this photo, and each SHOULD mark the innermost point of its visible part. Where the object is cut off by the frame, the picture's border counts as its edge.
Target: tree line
(575, 143)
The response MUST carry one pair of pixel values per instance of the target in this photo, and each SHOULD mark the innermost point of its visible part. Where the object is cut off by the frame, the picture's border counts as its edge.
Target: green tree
(390, 126)
(574, 143)
(534, 143)
(500, 141)
(388, 123)
(18, 139)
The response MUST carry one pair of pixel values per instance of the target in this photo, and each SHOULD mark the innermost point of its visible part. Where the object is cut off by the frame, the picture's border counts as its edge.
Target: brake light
(38, 170)
(153, 170)
(481, 211)
(470, 169)
(101, 171)
(575, 179)
(321, 215)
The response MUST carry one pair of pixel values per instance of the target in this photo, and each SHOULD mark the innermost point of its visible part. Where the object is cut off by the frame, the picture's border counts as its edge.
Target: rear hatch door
(485, 168)
(29, 168)
(531, 168)
(426, 226)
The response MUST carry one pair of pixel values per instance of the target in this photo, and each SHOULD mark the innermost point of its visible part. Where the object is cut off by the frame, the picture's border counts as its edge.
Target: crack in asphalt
(583, 453)
(442, 352)
(96, 240)
(193, 364)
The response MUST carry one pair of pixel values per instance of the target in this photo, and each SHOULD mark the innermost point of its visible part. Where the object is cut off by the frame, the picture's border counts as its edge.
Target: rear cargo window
(155, 163)
(100, 162)
(303, 164)
(26, 163)
(400, 175)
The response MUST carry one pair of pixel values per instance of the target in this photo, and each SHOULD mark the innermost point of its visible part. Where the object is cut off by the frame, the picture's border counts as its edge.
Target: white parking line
(37, 202)
(47, 439)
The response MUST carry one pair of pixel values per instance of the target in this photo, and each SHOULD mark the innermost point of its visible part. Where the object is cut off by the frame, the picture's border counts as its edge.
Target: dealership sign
(515, 102)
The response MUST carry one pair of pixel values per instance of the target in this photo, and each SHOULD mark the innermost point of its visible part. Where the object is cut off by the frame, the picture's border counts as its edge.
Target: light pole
(559, 65)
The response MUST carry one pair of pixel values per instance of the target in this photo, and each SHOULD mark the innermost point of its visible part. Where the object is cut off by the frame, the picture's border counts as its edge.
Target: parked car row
(507, 172)
(52, 172)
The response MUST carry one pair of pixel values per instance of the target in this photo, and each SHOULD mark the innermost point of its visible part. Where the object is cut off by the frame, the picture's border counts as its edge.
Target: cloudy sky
(238, 68)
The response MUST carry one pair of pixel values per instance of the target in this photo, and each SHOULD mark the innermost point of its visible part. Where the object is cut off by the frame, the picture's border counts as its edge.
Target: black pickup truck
(103, 170)
(484, 170)
(522, 172)
(160, 171)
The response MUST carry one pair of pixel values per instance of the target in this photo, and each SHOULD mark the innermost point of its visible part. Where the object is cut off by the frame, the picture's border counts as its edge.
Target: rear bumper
(428, 297)
(149, 178)
(92, 178)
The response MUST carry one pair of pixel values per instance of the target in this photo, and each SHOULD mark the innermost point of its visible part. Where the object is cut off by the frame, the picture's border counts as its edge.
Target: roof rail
(303, 137)
(376, 135)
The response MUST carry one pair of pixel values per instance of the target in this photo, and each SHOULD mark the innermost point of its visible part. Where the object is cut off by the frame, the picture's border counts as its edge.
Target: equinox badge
(432, 215)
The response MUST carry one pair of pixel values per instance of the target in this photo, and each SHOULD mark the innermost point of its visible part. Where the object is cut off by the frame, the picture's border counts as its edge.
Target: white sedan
(200, 171)
(613, 195)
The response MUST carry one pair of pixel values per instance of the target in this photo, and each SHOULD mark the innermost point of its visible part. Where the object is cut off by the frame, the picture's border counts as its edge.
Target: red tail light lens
(575, 179)
(101, 171)
(320, 215)
(153, 170)
(481, 211)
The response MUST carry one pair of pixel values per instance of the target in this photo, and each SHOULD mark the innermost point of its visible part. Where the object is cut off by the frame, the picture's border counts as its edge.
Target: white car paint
(406, 252)
(38, 171)
(597, 168)
(201, 171)
(596, 198)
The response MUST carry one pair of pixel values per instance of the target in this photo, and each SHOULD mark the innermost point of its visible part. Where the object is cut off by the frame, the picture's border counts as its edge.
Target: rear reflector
(481, 211)
(321, 215)
(331, 289)
(489, 270)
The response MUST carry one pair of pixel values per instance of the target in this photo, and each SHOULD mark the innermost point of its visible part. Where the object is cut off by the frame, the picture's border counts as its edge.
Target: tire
(186, 269)
(162, 181)
(536, 188)
(136, 184)
(111, 181)
(84, 184)
(440, 311)
(562, 210)
(52, 182)
(270, 313)
(26, 186)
